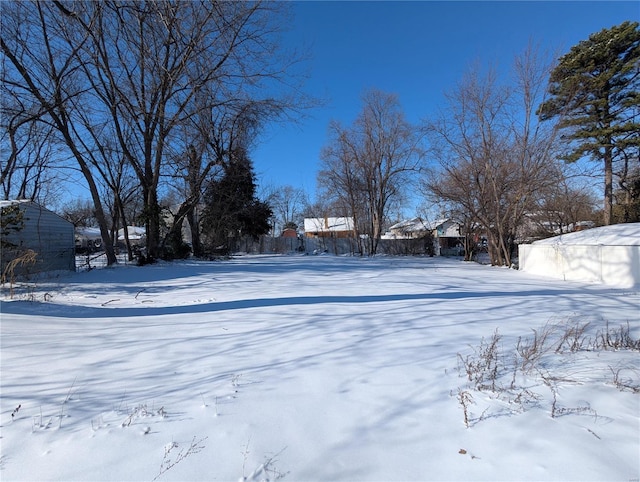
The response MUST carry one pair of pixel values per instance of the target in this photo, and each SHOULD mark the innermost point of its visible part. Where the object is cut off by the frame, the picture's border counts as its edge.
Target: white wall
(613, 265)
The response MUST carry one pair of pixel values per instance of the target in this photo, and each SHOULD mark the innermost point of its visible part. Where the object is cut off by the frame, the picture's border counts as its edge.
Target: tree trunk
(152, 223)
(125, 227)
(608, 184)
(99, 212)
(196, 245)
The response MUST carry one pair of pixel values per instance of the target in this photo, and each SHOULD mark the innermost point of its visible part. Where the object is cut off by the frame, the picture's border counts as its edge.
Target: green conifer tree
(594, 94)
(232, 208)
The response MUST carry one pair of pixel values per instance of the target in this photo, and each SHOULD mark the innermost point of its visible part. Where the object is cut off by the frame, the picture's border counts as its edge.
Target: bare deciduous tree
(369, 165)
(288, 204)
(562, 205)
(493, 156)
(150, 62)
(43, 69)
(33, 163)
(136, 72)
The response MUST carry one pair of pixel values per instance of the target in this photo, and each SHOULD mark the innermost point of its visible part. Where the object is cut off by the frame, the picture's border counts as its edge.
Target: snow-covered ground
(317, 368)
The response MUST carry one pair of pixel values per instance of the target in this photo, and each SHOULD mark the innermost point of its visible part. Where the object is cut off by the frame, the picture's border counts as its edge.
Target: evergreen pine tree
(232, 208)
(595, 96)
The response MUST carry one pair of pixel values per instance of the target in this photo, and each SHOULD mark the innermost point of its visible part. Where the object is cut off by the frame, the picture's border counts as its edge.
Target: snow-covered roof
(135, 233)
(415, 224)
(328, 224)
(4, 204)
(89, 233)
(418, 224)
(28, 204)
(616, 235)
(437, 223)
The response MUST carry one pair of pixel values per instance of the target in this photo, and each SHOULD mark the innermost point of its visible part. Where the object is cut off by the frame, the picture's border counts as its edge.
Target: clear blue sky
(416, 50)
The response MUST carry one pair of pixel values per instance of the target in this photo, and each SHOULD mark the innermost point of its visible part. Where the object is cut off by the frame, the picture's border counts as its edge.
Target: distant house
(540, 225)
(329, 227)
(137, 235)
(446, 234)
(289, 233)
(27, 225)
(579, 226)
(88, 239)
(407, 229)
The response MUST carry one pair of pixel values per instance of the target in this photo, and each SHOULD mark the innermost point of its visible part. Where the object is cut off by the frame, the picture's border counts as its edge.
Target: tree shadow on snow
(112, 311)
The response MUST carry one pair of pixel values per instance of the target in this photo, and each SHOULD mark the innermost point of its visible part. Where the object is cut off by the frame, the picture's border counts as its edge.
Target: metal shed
(38, 229)
(609, 255)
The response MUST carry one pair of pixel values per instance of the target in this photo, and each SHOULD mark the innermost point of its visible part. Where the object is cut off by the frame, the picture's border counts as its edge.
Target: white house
(408, 229)
(445, 232)
(137, 235)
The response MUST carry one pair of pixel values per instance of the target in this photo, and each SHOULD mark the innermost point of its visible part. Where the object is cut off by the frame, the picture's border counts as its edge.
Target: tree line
(144, 99)
(500, 151)
(160, 103)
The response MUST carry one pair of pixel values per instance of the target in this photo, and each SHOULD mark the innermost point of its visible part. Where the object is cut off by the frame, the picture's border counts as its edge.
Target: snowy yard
(318, 368)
